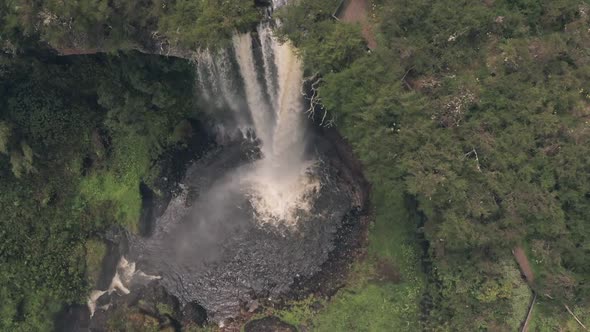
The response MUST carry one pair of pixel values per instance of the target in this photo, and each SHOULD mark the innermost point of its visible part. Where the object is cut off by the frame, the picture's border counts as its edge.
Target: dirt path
(525, 268)
(357, 11)
(523, 264)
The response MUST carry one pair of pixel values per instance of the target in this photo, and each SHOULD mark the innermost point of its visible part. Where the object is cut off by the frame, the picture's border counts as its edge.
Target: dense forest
(78, 137)
(111, 25)
(478, 111)
(470, 119)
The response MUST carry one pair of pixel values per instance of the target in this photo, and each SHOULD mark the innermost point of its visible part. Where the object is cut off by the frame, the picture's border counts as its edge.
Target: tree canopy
(77, 136)
(480, 110)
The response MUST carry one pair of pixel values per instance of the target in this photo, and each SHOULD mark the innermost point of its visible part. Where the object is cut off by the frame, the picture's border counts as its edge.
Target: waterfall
(271, 76)
(289, 129)
(208, 77)
(231, 89)
(268, 45)
(259, 108)
(244, 224)
(203, 77)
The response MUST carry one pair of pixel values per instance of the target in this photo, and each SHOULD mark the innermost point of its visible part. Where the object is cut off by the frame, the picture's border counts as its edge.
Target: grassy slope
(368, 305)
(120, 184)
(95, 253)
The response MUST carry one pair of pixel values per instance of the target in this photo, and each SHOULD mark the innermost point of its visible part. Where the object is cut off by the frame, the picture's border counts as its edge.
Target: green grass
(119, 183)
(164, 309)
(547, 318)
(368, 305)
(206, 328)
(371, 308)
(95, 252)
(521, 295)
(124, 194)
(299, 312)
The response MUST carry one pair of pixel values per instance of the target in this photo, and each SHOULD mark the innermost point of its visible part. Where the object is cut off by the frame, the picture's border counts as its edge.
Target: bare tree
(315, 101)
(473, 152)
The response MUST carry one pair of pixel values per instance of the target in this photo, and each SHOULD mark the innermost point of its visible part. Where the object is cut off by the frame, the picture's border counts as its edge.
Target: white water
(229, 90)
(125, 275)
(207, 73)
(259, 108)
(268, 44)
(202, 74)
(280, 184)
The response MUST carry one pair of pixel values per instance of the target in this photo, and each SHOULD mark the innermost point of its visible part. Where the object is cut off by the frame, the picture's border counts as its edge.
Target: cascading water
(253, 215)
(280, 181)
(259, 107)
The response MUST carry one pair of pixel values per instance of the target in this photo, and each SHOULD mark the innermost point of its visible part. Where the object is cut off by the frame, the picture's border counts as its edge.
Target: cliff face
(149, 43)
(150, 26)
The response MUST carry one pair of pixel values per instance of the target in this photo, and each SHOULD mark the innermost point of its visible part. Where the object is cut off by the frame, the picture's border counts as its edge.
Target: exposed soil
(523, 264)
(387, 271)
(357, 11)
(527, 272)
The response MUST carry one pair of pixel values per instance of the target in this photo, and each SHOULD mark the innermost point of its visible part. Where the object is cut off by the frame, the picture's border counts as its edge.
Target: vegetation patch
(71, 165)
(95, 253)
(371, 303)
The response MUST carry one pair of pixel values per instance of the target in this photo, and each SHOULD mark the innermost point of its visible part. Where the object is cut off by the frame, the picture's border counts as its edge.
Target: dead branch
(529, 315)
(403, 79)
(474, 152)
(315, 101)
(576, 318)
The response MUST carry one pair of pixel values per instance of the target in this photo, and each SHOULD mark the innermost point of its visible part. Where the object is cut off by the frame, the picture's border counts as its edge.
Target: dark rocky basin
(208, 246)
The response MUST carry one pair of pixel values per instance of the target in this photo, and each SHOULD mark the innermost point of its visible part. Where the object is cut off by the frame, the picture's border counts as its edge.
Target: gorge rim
(276, 203)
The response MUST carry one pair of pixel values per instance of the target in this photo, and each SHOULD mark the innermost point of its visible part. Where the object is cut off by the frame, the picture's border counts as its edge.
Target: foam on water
(281, 183)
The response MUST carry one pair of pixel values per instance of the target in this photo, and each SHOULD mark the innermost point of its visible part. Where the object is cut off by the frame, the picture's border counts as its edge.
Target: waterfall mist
(280, 182)
(261, 210)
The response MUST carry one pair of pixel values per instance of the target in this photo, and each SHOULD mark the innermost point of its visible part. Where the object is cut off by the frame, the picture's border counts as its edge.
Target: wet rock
(116, 242)
(74, 318)
(99, 321)
(148, 208)
(193, 313)
(262, 3)
(103, 300)
(144, 307)
(252, 264)
(269, 324)
(156, 301)
(210, 246)
(253, 306)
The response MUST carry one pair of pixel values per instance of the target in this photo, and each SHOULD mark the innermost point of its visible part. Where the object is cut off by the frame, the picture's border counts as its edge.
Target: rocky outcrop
(149, 306)
(269, 324)
(151, 43)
